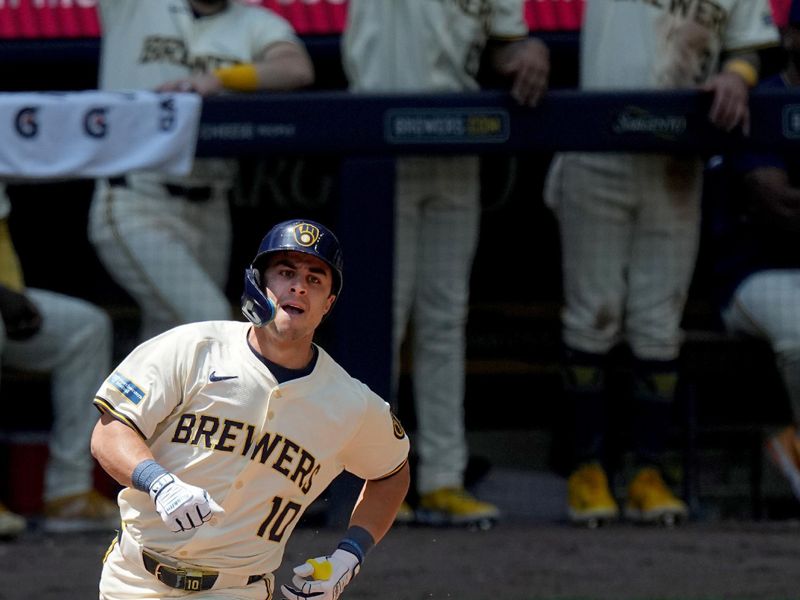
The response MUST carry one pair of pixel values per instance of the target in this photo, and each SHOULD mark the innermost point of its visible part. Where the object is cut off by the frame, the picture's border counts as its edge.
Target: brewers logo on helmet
(296, 235)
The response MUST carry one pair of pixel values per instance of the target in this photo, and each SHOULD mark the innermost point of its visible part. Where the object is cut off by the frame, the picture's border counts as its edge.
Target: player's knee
(594, 332)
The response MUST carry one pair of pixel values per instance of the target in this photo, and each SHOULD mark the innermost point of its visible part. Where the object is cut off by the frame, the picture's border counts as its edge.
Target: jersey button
(238, 485)
(183, 553)
(270, 415)
(213, 521)
(277, 393)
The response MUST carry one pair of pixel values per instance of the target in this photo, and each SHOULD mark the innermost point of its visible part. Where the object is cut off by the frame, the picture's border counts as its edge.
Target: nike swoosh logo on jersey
(215, 377)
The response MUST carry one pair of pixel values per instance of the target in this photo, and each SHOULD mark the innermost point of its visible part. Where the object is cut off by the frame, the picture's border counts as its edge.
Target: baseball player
(629, 228)
(166, 241)
(225, 432)
(71, 340)
(755, 233)
(423, 46)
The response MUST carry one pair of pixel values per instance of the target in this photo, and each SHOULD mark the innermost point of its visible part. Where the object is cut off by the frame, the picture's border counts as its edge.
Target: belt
(191, 193)
(180, 578)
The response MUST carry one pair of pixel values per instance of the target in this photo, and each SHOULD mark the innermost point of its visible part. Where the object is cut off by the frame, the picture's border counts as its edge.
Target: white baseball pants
(437, 219)
(629, 227)
(171, 255)
(125, 578)
(74, 345)
(766, 305)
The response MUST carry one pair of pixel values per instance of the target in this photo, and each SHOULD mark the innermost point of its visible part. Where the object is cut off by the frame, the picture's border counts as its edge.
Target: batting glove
(182, 506)
(322, 578)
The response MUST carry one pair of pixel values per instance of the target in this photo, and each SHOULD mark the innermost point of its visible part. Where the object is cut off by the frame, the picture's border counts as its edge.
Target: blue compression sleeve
(145, 473)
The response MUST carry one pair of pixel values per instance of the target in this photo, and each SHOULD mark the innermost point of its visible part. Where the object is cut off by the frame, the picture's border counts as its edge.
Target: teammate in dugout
(755, 224)
(630, 224)
(425, 46)
(224, 432)
(167, 240)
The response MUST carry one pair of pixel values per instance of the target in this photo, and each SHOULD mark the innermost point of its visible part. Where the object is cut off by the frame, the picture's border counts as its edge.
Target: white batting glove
(322, 578)
(182, 506)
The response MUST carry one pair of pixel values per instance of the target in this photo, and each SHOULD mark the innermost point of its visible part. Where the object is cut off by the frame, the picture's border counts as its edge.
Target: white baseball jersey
(430, 45)
(149, 42)
(213, 414)
(668, 43)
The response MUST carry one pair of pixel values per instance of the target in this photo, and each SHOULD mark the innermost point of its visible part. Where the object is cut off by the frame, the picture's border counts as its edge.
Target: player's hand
(528, 64)
(182, 506)
(20, 316)
(729, 108)
(205, 84)
(322, 578)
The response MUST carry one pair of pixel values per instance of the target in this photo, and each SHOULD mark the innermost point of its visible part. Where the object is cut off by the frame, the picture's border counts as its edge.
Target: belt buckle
(191, 581)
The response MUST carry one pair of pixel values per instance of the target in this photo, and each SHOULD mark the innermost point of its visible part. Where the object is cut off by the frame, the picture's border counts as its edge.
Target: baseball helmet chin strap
(256, 306)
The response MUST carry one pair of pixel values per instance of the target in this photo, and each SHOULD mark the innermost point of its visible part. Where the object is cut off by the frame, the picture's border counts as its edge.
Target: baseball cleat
(590, 502)
(84, 512)
(11, 524)
(650, 501)
(783, 449)
(455, 507)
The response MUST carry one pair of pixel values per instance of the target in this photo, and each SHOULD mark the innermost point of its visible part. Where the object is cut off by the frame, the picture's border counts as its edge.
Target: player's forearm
(284, 67)
(118, 448)
(379, 501)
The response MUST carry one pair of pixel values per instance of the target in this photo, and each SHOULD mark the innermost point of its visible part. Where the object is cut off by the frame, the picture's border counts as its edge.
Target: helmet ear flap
(256, 305)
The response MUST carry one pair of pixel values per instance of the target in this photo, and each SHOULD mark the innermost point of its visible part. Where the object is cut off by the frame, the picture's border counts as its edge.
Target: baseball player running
(630, 226)
(225, 432)
(167, 241)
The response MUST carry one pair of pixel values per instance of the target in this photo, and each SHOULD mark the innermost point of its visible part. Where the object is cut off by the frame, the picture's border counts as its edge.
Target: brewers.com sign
(78, 18)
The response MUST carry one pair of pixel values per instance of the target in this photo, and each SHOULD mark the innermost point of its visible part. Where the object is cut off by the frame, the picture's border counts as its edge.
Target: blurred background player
(629, 226)
(167, 241)
(71, 340)
(756, 227)
(225, 432)
(423, 46)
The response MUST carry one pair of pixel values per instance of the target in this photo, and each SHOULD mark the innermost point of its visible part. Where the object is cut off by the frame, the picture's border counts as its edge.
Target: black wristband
(145, 473)
(357, 541)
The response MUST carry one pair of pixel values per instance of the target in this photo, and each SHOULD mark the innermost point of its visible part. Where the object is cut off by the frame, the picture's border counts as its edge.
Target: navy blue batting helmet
(296, 235)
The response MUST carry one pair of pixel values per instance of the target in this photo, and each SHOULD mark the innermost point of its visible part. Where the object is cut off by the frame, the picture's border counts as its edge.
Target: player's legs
(594, 199)
(664, 253)
(409, 195)
(74, 345)
(148, 244)
(447, 240)
(11, 524)
(765, 305)
(437, 227)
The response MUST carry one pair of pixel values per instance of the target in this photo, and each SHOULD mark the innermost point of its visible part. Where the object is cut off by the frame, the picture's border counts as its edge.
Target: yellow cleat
(651, 501)
(455, 506)
(84, 512)
(405, 514)
(589, 499)
(11, 524)
(783, 449)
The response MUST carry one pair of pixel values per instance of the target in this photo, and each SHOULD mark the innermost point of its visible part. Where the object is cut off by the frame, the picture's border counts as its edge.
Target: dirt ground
(517, 560)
